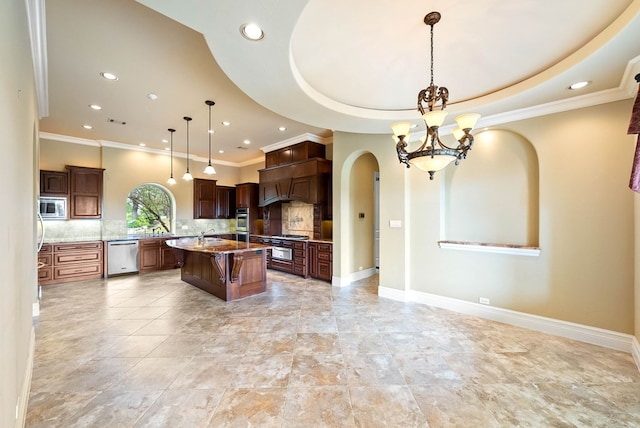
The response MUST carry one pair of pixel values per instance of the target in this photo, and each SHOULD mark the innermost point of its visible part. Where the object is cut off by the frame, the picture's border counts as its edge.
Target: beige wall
(18, 166)
(585, 273)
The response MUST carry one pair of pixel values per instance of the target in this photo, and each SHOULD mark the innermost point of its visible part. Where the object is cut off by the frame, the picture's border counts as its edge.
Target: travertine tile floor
(151, 351)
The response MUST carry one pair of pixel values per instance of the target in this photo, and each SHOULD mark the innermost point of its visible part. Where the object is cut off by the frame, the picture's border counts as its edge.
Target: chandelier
(433, 155)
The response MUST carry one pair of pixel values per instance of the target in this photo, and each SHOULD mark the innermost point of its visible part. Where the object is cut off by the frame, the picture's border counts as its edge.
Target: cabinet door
(271, 159)
(85, 192)
(225, 202)
(204, 198)
(54, 183)
(149, 255)
(247, 195)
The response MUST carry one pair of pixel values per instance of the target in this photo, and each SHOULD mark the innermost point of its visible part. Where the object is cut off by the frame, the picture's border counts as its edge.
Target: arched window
(149, 209)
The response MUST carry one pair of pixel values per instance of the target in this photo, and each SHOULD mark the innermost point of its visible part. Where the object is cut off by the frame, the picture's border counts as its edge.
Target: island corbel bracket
(217, 261)
(238, 259)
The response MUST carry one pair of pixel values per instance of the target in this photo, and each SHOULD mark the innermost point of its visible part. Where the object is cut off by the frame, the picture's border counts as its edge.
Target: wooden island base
(229, 270)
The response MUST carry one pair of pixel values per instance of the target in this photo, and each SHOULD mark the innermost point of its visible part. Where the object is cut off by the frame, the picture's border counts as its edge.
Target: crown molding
(68, 139)
(36, 17)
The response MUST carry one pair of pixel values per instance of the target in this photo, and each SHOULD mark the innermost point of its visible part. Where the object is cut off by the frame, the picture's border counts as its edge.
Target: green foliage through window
(148, 209)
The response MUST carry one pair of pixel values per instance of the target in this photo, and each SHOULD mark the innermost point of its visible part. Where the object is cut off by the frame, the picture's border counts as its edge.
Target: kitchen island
(227, 269)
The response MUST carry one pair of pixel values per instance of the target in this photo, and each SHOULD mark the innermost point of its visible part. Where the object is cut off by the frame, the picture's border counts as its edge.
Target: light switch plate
(395, 223)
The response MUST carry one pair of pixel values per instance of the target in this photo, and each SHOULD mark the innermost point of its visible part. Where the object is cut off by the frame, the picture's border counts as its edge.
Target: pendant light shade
(187, 175)
(209, 169)
(171, 180)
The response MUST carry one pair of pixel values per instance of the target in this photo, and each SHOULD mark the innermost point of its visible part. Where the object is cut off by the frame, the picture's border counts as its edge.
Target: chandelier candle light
(209, 168)
(171, 180)
(187, 175)
(433, 155)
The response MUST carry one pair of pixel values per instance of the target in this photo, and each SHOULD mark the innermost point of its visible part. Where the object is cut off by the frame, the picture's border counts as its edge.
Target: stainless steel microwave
(53, 208)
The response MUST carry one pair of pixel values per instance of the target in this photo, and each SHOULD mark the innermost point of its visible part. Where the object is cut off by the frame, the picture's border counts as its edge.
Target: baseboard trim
(23, 399)
(337, 281)
(569, 330)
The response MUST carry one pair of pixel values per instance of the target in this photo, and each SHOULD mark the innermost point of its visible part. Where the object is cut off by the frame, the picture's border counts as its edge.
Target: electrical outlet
(484, 300)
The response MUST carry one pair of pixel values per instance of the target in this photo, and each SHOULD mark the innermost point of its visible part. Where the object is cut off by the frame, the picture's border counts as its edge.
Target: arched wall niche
(492, 197)
(357, 235)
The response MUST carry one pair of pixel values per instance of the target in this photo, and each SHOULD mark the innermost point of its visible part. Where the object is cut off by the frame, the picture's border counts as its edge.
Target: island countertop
(215, 245)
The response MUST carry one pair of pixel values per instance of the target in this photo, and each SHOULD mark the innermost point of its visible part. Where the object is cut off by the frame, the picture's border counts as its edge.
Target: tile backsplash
(104, 230)
(297, 218)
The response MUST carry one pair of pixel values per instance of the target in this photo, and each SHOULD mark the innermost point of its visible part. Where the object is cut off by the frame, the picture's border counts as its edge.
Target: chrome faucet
(201, 236)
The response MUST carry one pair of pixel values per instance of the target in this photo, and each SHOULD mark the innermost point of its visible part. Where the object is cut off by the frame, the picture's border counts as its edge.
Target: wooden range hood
(305, 181)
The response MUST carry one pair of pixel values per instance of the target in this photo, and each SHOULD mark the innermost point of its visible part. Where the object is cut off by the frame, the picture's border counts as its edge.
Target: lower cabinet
(321, 260)
(154, 254)
(65, 262)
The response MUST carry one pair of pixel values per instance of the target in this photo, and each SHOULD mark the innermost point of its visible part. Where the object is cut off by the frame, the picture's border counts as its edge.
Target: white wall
(18, 166)
(585, 273)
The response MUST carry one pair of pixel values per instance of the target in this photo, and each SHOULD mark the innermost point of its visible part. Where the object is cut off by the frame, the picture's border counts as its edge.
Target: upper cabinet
(85, 192)
(295, 153)
(225, 202)
(246, 195)
(204, 198)
(211, 201)
(54, 183)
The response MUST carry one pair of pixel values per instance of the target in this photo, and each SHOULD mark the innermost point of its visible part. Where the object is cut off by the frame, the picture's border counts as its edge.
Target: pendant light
(171, 180)
(187, 175)
(209, 169)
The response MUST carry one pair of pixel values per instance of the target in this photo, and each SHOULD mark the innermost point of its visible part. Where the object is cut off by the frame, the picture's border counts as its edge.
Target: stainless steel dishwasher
(122, 257)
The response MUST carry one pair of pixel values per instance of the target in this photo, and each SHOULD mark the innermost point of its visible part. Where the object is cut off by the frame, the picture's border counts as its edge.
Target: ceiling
(323, 66)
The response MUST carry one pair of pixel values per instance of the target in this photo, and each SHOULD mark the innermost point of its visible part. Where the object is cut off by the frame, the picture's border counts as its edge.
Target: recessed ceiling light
(164, 140)
(579, 85)
(282, 128)
(109, 76)
(87, 126)
(167, 148)
(251, 31)
(142, 144)
(220, 151)
(247, 142)
(95, 107)
(152, 96)
(211, 131)
(226, 123)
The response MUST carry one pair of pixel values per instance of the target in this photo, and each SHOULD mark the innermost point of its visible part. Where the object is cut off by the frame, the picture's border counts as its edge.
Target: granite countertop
(215, 245)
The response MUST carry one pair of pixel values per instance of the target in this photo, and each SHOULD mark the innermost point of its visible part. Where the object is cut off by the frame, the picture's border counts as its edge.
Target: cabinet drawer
(46, 259)
(327, 248)
(150, 242)
(61, 272)
(46, 248)
(45, 274)
(81, 246)
(299, 253)
(324, 256)
(284, 265)
(65, 259)
(300, 245)
(299, 270)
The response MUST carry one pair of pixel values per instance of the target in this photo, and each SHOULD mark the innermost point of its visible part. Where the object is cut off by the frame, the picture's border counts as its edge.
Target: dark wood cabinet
(247, 195)
(295, 153)
(306, 181)
(154, 254)
(54, 183)
(321, 260)
(149, 258)
(225, 202)
(204, 198)
(85, 192)
(65, 262)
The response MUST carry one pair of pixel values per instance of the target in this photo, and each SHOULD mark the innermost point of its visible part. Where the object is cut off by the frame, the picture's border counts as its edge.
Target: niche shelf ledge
(518, 250)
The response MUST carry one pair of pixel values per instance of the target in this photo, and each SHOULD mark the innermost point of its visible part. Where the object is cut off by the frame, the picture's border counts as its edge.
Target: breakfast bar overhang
(227, 269)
